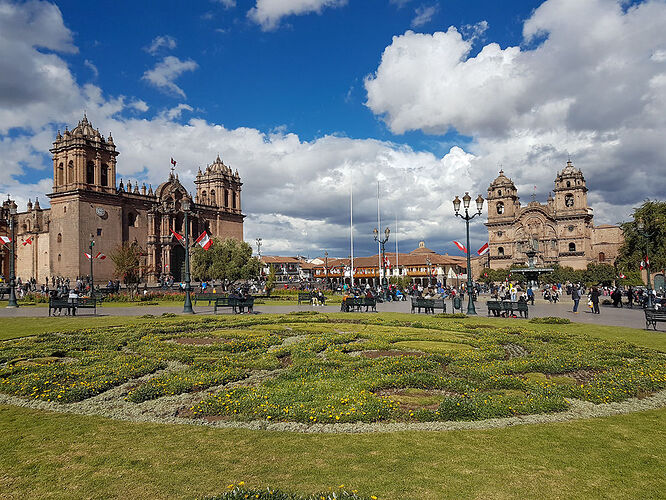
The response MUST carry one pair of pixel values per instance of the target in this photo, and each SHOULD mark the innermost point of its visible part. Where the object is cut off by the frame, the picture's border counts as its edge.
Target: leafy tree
(604, 274)
(632, 252)
(127, 265)
(270, 281)
(493, 275)
(229, 260)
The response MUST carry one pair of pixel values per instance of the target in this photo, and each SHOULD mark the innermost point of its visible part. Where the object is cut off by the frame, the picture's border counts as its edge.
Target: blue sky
(428, 98)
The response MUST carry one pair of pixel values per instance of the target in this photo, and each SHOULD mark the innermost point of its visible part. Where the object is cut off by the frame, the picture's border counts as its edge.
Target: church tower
(84, 159)
(219, 187)
(503, 201)
(570, 191)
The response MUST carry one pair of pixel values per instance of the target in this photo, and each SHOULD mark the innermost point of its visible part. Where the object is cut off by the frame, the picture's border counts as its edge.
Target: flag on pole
(179, 237)
(460, 246)
(5, 239)
(100, 256)
(204, 241)
(483, 250)
(173, 162)
(27, 242)
(88, 256)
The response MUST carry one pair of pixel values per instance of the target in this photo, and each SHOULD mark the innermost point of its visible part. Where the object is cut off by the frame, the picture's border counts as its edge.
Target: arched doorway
(178, 262)
(659, 283)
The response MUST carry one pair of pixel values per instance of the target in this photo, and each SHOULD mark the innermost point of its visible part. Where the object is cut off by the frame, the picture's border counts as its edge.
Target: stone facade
(87, 204)
(561, 230)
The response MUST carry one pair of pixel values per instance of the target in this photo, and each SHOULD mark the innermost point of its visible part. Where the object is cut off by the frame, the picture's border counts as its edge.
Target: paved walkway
(610, 316)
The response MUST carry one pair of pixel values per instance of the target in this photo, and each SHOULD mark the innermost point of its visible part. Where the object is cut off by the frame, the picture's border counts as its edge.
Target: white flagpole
(379, 228)
(396, 244)
(351, 225)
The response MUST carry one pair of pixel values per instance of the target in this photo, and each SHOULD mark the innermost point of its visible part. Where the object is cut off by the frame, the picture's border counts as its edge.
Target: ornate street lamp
(92, 256)
(479, 207)
(187, 308)
(429, 263)
(642, 230)
(382, 242)
(12, 255)
(326, 267)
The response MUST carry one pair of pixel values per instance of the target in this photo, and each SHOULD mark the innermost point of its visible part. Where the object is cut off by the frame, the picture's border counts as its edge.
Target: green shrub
(550, 320)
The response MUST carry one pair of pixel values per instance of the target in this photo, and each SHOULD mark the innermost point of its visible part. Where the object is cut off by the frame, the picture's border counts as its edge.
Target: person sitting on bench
(72, 298)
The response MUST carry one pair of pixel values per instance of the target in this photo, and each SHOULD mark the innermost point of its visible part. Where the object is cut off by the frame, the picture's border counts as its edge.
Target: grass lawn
(322, 365)
(47, 455)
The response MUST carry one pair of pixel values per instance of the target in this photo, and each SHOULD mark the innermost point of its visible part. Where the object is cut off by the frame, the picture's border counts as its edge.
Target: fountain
(531, 273)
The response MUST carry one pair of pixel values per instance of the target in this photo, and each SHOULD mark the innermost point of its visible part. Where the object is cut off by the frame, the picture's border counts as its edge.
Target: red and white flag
(483, 250)
(645, 263)
(100, 256)
(387, 263)
(622, 276)
(179, 237)
(204, 241)
(27, 242)
(5, 239)
(460, 246)
(173, 162)
(88, 256)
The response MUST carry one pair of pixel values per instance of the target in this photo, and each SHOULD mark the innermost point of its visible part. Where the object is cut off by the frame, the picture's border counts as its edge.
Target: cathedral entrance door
(178, 262)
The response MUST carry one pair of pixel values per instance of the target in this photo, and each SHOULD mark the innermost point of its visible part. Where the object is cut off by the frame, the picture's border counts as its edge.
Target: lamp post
(259, 240)
(187, 308)
(429, 263)
(382, 242)
(92, 281)
(479, 207)
(12, 275)
(642, 230)
(326, 267)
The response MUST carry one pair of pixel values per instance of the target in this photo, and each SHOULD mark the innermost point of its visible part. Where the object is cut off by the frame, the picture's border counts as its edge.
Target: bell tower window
(104, 181)
(569, 200)
(500, 208)
(226, 198)
(572, 247)
(602, 256)
(70, 172)
(61, 172)
(568, 184)
(90, 173)
(500, 251)
(233, 200)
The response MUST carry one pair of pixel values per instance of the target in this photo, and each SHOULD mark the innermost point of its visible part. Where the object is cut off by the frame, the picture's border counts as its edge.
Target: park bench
(355, 304)
(429, 305)
(307, 297)
(71, 305)
(206, 297)
(654, 316)
(507, 308)
(234, 304)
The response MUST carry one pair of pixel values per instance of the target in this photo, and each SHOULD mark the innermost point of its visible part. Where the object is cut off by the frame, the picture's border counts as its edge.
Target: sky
(309, 98)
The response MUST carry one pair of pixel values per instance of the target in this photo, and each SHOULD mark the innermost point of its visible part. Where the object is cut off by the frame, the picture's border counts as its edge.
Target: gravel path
(113, 405)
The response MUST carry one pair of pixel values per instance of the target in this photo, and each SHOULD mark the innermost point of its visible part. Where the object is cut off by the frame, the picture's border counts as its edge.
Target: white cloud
(399, 3)
(177, 111)
(139, 105)
(159, 42)
(588, 80)
(269, 13)
(165, 72)
(423, 15)
(88, 64)
(227, 4)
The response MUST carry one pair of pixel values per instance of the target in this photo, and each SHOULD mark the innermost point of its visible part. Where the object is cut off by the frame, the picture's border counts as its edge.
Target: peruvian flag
(387, 263)
(173, 162)
(27, 242)
(483, 250)
(204, 241)
(5, 239)
(645, 263)
(179, 237)
(88, 256)
(460, 246)
(622, 276)
(100, 256)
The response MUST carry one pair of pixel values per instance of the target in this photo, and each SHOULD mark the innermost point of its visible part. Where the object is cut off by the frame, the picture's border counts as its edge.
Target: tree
(127, 265)
(270, 281)
(603, 274)
(230, 260)
(632, 252)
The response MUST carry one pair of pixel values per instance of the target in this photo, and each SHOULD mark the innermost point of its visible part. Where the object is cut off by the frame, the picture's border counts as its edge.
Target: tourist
(594, 298)
(530, 295)
(630, 298)
(73, 299)
(575, 296)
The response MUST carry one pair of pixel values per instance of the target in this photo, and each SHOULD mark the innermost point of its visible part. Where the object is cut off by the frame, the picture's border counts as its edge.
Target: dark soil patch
(200, 340)
(388, 354)
(285, 361)
(514, 351)
(580, 376)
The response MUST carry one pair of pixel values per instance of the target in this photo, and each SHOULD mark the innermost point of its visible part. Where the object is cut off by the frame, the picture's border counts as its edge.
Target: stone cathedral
(86, 202)
(561, 230)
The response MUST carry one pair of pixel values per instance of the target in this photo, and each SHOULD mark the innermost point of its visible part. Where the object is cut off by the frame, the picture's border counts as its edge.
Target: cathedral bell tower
(84, 160)
(570, 191)
(503, 201)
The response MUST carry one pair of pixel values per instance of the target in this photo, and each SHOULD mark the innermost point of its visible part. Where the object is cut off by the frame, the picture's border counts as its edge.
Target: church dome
(218, 167)
(502, 180)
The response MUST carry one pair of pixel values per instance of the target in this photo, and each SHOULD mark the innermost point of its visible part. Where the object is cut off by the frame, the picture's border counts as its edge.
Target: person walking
(594, 297)
(630, 298)
(575, 296)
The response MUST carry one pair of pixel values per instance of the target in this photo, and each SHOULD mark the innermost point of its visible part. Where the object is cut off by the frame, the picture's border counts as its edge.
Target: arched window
(59, 257)
(104, 180)
(213, 201)
(499, 192)
(500, 208)
(572, 247)
(569, 200)
(602, 256)
(568, 184)
(233, 200)
(204, 200)
(226, 198)
(500, 251)
(131, 219)
(64, 209)
(90, 173)
(61, 174)
(70, 172)
(59, 237)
